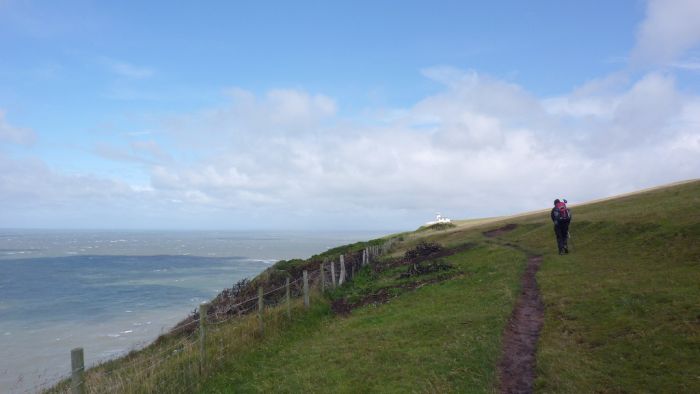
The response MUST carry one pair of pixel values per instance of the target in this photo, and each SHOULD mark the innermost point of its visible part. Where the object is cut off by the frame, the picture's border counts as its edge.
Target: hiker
(561, 216)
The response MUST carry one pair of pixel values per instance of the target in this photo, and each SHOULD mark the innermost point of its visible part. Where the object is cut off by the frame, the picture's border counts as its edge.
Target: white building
(439, 219)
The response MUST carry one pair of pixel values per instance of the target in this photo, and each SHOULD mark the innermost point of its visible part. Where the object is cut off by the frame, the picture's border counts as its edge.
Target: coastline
(110, 331)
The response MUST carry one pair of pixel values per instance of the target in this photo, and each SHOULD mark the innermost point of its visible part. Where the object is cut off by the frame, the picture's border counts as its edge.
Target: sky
(311, 115)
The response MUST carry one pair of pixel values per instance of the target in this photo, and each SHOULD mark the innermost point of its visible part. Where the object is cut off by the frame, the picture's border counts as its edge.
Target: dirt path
(500, 230)
(516, 370)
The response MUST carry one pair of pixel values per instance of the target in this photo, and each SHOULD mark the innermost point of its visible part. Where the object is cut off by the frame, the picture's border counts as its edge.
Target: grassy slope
(623, 312)
(442, 337)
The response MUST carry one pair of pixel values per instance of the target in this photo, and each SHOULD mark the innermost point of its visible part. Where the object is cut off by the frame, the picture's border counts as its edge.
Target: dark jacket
(555, 215)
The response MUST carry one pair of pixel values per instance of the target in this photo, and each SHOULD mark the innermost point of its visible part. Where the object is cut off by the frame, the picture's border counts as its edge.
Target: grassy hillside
(622, 311)
(440, 337)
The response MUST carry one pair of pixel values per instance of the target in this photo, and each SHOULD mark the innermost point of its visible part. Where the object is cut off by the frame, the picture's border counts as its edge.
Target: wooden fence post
(261, 307)
(203, 308)
(322, 272)
(342, 270)
(333, 273)
(306, 289)
(289, 300)
(77, 365)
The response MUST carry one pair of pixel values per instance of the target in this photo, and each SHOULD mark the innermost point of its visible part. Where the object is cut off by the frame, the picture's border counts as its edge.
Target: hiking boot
(566, 249)
(561, 252)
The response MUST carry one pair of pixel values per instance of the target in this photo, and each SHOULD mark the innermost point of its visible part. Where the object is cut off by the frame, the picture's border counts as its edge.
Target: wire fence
(181, 360)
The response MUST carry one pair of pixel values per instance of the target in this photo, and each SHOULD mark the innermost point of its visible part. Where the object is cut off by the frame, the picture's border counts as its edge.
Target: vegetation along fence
(200, 345)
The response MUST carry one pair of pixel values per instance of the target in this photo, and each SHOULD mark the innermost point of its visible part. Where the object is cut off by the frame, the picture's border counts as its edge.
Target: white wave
(264, 261)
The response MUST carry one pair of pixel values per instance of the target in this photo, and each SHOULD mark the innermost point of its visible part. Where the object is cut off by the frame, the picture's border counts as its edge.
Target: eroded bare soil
(500, 230)
(343, 307)
(516, 370)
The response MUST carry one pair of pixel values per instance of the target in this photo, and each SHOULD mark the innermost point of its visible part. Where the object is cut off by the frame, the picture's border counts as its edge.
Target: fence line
(195, 356)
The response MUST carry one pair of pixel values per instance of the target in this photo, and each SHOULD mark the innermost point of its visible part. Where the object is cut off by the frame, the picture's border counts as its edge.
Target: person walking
(561, 216)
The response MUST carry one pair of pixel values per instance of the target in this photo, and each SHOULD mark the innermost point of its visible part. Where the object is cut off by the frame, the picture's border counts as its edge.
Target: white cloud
(691, 65)
(478, 147)
(596, 98)
(127, 70)
(671, 28)
(292, 105)
(31, 183)
(251, 122)
(13, 134)
(481, 146)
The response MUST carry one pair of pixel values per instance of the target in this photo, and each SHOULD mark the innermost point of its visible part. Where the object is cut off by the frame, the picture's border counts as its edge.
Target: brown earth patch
(500, 230)
(382, 296)
(445, 252)
(516, 370)
(343, 306)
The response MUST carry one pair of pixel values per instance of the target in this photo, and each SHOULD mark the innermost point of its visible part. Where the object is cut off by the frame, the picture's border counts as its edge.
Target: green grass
(622, 314)
(441, 337)
(437, 227)
(623, 310)
(172, 364)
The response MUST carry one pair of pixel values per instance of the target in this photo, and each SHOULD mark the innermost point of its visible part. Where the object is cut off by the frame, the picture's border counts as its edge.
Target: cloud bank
(670, 29)
(481, 146)
(292, 158)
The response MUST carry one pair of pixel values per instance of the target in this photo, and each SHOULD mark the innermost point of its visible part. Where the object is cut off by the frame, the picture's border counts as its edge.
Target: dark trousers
(561, 229)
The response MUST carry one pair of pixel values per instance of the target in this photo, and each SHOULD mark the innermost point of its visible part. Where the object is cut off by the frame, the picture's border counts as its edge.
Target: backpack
(563, 211)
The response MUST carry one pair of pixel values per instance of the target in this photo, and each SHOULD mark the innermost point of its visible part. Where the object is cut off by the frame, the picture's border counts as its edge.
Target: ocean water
(113, 291)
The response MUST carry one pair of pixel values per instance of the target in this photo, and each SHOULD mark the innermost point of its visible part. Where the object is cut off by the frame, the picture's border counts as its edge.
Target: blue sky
(320, 115)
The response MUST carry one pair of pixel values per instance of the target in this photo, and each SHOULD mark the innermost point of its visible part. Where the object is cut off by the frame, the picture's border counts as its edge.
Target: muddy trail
(516, 369)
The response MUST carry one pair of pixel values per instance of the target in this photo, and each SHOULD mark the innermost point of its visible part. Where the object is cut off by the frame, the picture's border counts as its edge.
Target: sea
(111, 292)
